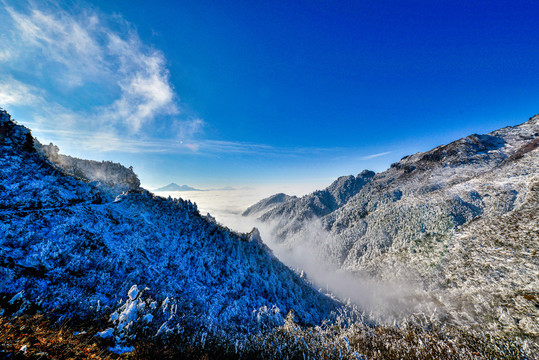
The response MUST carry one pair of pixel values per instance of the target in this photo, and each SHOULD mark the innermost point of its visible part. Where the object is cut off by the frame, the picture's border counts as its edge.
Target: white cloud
(104, 141)
(49, 56)
(146, 90)
(5, 55)
(13, 92)
(188, 129)
(60, 38)
(373, 156)
(58, 50)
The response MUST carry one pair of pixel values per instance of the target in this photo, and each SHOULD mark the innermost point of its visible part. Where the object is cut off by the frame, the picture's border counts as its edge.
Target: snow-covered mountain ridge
(112, 178)
(460, 218)
(267, 203)
(70, 249)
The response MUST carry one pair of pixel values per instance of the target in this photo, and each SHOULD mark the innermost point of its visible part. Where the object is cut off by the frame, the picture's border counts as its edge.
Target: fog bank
(386, 301)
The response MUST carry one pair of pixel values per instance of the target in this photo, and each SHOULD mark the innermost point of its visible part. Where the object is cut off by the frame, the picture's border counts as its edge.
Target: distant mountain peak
(175, 187)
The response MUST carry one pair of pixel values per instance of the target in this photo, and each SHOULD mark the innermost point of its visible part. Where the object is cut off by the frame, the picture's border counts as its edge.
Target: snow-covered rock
(112, 178)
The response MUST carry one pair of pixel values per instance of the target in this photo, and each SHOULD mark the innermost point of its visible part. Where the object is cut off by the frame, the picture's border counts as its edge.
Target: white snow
(106, 333)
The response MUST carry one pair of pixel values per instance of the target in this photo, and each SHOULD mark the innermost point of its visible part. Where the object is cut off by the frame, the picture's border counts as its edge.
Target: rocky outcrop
(113, 178)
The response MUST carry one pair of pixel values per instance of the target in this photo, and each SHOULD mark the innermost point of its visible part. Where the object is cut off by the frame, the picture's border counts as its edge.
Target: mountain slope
(267, 204)
(494, 259)
(141, 259)
(441, 218)
(316, 205)
(413, 176)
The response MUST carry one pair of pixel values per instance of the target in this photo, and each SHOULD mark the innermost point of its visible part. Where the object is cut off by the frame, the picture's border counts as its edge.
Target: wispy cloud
(57, 54)
(5, 55)
(59, 38)
(88, 79)
(13, 92)
(110, 142)
(189, 128)
(373, 156)
(146, 90)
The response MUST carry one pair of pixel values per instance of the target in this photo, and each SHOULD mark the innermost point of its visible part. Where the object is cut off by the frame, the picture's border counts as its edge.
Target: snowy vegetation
(138, 258)
(459, 222)
(87, 271)
(268, 203)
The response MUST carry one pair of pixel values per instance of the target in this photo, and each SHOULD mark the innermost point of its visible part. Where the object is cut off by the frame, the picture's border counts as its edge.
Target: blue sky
(216, 93)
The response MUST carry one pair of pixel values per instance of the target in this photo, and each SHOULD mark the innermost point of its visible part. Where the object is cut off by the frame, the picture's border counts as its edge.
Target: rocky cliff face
(441, 217)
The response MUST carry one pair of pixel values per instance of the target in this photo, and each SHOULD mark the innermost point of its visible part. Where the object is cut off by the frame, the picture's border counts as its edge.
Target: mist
(226, 206)
(312, 254)
(313, 251)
